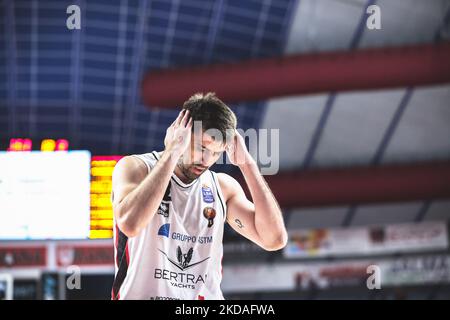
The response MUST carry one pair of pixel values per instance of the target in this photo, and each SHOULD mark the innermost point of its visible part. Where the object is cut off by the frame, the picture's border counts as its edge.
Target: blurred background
(364, 136)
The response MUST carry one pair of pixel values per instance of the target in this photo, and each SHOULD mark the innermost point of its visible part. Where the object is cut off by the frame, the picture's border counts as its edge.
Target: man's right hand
(178, 135)
(138, 190)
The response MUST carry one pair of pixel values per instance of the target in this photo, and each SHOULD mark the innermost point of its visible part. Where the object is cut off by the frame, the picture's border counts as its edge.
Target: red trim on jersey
(122, 265)
(127, 254)
(114, 297)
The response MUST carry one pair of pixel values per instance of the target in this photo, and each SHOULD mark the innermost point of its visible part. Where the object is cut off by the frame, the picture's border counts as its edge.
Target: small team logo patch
(164, 209)
(209, 213)
(207, 193)
(164, 230)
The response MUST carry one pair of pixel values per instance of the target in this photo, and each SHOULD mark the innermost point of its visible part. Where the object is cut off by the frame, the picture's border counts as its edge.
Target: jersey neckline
(175, 177)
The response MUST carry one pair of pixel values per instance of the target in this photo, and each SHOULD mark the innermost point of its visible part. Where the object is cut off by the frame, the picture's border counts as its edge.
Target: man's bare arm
(261, 220)
(136, 193)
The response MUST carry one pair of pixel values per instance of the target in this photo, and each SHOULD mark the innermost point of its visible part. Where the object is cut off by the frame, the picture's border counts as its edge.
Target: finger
(178, 119)
(189, 124)
(185, 117)
(174, 121)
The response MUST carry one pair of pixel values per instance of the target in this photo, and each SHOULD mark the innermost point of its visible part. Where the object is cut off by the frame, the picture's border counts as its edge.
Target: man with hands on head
(170, 209)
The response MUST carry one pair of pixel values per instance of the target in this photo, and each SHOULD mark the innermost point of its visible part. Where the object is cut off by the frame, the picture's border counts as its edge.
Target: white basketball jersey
(178, 255)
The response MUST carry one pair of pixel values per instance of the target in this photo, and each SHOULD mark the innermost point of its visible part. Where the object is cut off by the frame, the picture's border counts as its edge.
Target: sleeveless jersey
(178, 255)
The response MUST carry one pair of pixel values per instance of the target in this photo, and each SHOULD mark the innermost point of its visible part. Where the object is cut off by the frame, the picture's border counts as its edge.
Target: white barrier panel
(367, 241)
(429, 269)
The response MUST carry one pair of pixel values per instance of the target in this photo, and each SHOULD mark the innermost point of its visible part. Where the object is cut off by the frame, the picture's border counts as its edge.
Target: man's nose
(206, 159)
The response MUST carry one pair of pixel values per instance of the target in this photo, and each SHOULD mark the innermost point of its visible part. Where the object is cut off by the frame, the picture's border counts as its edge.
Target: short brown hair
(212, 112)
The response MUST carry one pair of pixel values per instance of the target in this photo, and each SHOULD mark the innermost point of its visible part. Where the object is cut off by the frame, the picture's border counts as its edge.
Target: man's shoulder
(129, 165)
(227, 183)
(223, 177)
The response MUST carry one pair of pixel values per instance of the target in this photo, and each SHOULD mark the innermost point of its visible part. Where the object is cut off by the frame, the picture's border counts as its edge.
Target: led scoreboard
(101, 207)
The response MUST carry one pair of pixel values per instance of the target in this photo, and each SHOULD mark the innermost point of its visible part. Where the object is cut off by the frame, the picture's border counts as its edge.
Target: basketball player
(170, 209)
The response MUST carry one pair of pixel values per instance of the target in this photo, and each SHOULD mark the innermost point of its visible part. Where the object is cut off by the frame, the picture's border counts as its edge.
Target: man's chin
(191, 175)
(196, 173)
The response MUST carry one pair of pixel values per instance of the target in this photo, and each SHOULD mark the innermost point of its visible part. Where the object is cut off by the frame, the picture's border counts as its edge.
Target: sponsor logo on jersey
(209, 213)
(207, 194)
(164, 206)
(183, 259)
(191, 239)
(164, 230)
(164, 298)
(180, 279)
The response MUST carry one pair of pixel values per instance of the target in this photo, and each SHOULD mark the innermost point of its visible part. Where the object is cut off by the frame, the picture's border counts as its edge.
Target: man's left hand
(237, 151)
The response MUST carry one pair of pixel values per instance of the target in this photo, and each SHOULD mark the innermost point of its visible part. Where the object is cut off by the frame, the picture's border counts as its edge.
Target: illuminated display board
(44, 195)
(101, 208)
(100, 224)
(25, 144)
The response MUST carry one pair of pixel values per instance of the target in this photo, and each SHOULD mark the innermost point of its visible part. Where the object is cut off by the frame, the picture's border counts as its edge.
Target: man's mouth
(198, 169)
